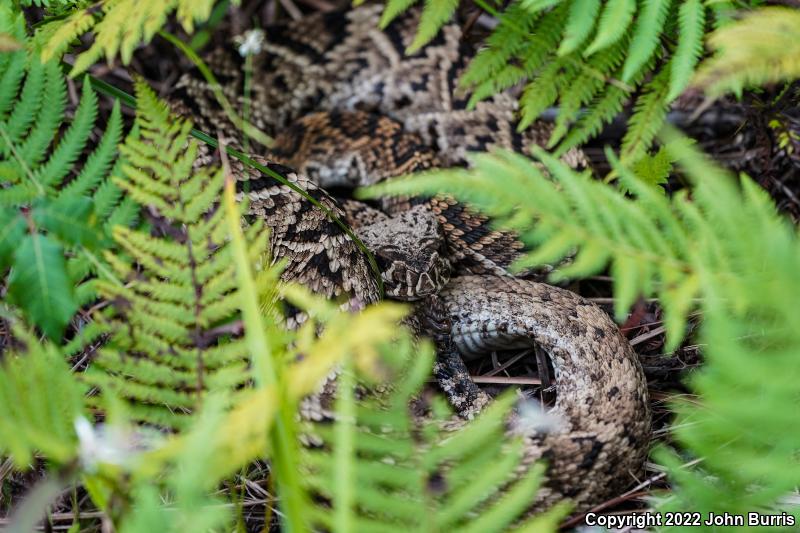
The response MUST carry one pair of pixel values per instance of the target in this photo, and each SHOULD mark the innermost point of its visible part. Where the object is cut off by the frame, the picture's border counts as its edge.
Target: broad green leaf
(39, 285)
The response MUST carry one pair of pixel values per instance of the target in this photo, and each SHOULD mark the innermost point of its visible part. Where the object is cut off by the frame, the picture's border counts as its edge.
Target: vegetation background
(106, 333)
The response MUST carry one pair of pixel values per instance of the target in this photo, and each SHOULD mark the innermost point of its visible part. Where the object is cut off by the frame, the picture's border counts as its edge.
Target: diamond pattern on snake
(348, 108)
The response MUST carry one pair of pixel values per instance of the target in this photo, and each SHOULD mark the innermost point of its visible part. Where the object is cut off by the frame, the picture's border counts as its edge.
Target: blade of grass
(283, 437)
(246, 127)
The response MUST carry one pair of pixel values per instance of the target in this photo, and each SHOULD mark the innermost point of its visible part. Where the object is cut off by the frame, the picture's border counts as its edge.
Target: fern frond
(12, 64)
(581, 21)
(376, 462)
(584, 88)
(119, 27)
(435, 15)
(72, 142)
(691, 23)
(616, 17)
(99, 162)
(543, 91)
(646, 36)
(165, 356)
(38, 155)
(40, 400)
(549, 45)
(648, 117)
(393, 9)
(708, 252)
(513, 32)
(27, 106)
(534, 49)
(602, 111)
(760, 48)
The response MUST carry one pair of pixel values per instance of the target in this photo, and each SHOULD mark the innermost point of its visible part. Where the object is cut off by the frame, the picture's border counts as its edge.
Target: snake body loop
(347, 109)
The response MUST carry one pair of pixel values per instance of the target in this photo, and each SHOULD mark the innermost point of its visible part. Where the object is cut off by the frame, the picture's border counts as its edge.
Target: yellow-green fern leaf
(119, 26)
(171, 347)
(760, 48)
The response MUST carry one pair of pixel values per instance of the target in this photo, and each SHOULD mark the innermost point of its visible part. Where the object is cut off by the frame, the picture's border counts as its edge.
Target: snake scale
(348, 108)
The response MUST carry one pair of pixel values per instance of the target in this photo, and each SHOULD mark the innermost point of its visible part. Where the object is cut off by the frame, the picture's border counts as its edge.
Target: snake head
(410, 250)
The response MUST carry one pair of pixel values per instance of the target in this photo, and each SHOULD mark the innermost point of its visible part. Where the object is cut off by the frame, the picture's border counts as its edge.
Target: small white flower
(251, 43)
(106, 444)
(533, 418)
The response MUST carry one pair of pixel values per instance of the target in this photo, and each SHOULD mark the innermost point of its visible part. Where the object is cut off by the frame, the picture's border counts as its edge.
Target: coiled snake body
(348, 108)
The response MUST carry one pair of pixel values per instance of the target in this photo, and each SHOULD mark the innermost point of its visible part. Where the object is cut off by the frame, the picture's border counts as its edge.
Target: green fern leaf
(760, 48)
(653, 169)
(648, 116)
(617, 16)
(12, 229)
(34, 148)
(646, 34)
(27, 106)
(99, 163)
(72, 143)
(393, 9)
(691, 20)
(165, 356)
(536, 6)
(69, 218)
(38, 156)
(513, 31)
(582, 17)
(534, 49)
(543, 91)
(584, 88)
(12, 64)
(434, 16)
(40, 399)
(602, 111)
(119, 27)
(376, 470)
(38, 284)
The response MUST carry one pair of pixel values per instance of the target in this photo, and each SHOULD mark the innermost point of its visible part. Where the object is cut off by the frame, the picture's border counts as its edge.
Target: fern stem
(282, 438)
(101, 267)
(108, 89)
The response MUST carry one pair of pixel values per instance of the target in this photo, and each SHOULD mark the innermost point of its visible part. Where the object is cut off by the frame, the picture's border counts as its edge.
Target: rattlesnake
(348, 108)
